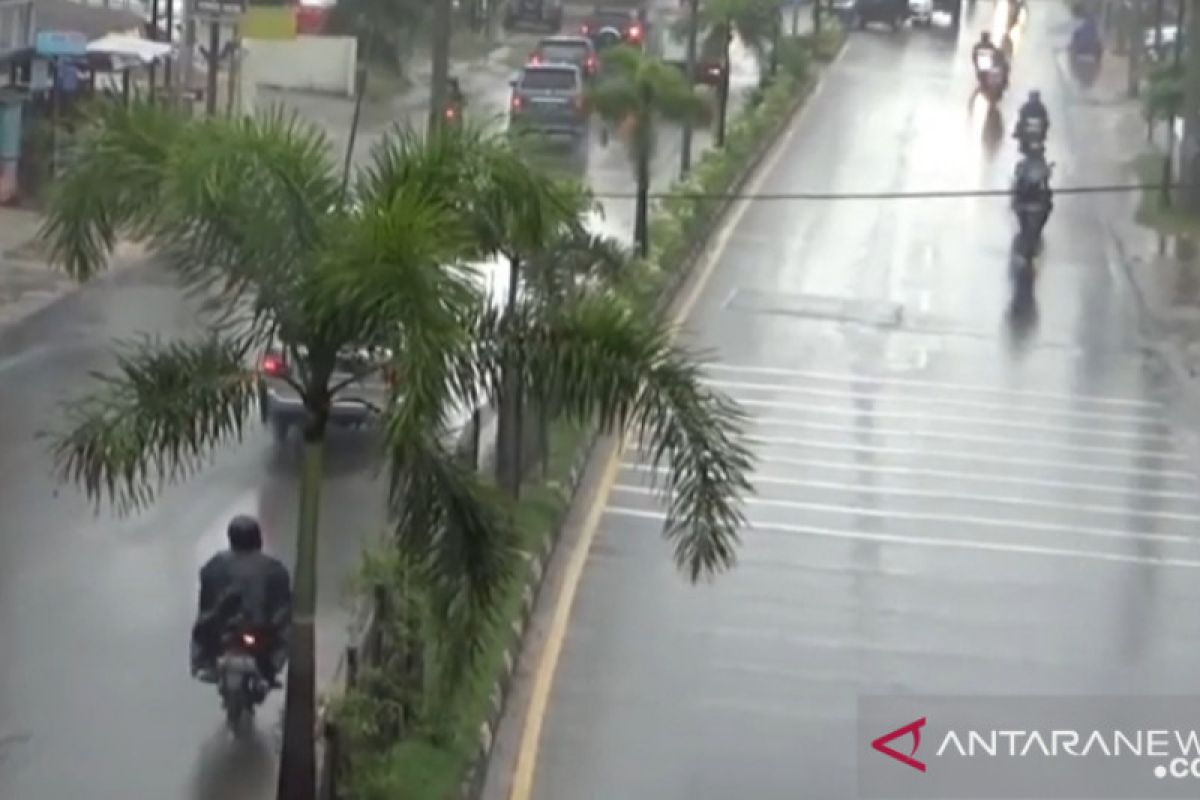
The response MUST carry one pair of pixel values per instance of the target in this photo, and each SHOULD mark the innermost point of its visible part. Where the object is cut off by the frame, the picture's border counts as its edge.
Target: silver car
(359, 378)
(549, 99)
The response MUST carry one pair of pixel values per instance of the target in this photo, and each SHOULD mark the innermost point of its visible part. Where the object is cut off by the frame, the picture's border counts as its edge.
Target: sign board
(222, 9)
(278, 23)
(59, 44)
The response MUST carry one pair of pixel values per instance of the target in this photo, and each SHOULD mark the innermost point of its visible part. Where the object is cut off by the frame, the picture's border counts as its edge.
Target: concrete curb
(472, 785)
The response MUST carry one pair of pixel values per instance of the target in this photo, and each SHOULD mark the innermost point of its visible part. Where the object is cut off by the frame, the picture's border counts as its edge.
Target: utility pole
(1136, 45)
(441, 62)
(1190, 166)
(214, 65)
(816, 19)
(685, 142)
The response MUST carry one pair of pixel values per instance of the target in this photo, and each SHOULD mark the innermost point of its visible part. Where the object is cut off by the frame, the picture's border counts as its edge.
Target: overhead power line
(936, 194)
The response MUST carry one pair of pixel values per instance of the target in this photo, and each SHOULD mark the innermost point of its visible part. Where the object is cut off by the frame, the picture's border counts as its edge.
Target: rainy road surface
(95, 612)
(947, 501)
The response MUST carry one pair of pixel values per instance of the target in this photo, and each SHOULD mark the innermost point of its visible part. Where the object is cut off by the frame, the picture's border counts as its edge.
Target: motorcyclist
(986, 45)
(454, 93)
(243, 585)
(1032, 109)
(1031, 186)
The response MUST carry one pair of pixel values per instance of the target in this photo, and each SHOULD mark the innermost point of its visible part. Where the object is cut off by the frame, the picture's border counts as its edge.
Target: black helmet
(244, 534)
(985, 37)
(1035, 96)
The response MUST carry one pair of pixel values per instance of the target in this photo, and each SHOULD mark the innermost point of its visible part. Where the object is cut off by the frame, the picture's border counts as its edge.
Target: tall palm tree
(252, 211)
(755, 22)
(634, 93)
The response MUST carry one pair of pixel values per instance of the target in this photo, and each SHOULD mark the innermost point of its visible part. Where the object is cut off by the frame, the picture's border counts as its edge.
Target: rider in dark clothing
(1033, 108)
(986, 45)
(1031, 183)
(454, 92)
(246, 586)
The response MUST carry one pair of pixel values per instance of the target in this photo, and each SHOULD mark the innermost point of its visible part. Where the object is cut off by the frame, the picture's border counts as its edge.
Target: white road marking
(936, 386)
(960, 519)
(914, 433)
(950, 475)
(846, 411)
(1022, 502)
(945, 544)
(995, 408)
(976, 457)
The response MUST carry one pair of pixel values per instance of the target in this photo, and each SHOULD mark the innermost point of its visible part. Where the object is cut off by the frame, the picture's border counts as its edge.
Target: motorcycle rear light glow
(516, 103)
(450, 112)
(635, 32)
(248, 639)
(273, 365)
(585, 29)
(534, 58)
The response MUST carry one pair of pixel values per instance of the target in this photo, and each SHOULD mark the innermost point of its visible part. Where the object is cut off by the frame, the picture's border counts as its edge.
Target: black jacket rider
(246, 586)
(1031, 184)
(1033, 108)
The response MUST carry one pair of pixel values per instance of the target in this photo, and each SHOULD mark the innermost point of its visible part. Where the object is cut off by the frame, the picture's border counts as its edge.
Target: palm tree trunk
(641, 225)
(723, 93)
(508, 431)
(298, 761)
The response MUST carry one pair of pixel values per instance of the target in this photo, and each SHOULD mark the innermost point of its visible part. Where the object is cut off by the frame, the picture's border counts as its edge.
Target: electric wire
(933, 194)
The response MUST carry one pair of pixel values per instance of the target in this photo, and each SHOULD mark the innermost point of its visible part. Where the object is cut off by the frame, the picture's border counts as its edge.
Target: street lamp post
(685, 143)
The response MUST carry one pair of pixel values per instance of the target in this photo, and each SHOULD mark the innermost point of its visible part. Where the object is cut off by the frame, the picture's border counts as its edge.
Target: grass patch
(418, 767)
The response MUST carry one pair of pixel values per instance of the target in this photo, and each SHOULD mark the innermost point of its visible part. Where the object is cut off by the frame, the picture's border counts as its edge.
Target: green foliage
(753, 21)
(1164, 93)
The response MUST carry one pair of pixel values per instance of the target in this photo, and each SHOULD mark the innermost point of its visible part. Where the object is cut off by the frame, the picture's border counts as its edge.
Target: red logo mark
(881, 744)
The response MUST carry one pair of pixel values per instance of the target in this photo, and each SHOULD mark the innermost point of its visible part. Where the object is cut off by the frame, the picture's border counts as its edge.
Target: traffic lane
(95, 611)
(942, 265)
(624, 718)
(750, 684)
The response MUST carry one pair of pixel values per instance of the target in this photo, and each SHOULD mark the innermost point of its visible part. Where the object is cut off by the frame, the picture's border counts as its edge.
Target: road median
(398, 733)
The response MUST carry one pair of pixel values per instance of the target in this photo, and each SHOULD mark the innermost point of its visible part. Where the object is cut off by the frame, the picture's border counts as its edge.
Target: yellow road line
(543, 679)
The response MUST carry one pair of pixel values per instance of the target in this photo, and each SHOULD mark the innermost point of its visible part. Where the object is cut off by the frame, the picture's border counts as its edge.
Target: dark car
(549, 99)
(578, 51)
(547, 14)
(609, 26)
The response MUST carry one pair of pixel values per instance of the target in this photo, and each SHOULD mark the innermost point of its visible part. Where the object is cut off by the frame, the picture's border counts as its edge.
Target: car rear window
(564, 51)
(561, 80)
(617, 19)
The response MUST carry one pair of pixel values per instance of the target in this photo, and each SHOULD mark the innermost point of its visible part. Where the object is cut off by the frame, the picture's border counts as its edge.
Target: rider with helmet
(1033, 121)
(986, 45)
(246, 586)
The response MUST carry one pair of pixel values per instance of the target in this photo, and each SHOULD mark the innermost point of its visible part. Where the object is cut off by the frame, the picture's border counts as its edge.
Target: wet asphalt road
(947, 501)
(95, 696)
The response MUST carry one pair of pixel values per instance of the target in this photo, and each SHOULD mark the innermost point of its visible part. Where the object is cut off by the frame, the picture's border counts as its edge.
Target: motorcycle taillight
(248, 639)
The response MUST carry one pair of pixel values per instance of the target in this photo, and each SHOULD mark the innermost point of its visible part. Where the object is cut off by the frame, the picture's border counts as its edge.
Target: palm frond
(155, 418)
(112, 185)
(573, 258)
(597, 360)
(248, 204)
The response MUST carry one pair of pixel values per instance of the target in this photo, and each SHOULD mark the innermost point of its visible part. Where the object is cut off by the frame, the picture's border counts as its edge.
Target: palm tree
(755, 22)
(253, 212)
(636, 91)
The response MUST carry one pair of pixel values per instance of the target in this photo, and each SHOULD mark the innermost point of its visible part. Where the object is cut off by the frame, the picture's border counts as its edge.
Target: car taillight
(635, 32)
(248, 639)
(273, 365)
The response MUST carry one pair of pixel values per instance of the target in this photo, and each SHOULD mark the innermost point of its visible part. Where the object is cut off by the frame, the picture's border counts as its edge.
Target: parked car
(578, 51)
(361, 373)
(610, 26)
(549, 99)
(547, 14)
(889, 12)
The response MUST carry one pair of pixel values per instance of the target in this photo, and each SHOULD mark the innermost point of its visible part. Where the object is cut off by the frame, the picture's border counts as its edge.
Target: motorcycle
(1032, 213)
(452, 113)
(991, 75)
(1031, 136)
(240, 683)
(1086, 45)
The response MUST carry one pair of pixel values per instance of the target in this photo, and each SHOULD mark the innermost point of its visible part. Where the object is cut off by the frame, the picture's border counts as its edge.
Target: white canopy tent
(130, 50)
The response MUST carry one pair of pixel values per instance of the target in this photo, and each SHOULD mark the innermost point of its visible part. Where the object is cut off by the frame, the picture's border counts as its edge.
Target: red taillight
(248, 639)
(635, 32)
(450, 112)
(590, 64)
(585, 29)
(534, 58)
(516, 103)
(273, 365)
